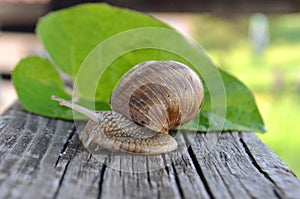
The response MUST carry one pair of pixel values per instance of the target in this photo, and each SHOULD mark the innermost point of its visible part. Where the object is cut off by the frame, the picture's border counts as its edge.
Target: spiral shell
(160, 95)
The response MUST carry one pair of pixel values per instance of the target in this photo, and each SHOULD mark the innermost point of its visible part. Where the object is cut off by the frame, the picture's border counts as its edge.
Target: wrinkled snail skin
(117, 133)
(150, 99)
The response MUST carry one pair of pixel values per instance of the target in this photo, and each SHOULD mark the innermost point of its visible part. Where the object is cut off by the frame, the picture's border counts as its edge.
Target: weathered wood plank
(42, 157)
(185, 172)
(271, 166)
(231, 166)
(27, 153)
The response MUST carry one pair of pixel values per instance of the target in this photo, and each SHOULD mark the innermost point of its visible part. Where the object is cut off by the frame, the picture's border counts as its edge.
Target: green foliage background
(273, 75)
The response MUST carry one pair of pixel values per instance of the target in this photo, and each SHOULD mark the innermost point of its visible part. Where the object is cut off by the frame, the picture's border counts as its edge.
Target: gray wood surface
(43, 158)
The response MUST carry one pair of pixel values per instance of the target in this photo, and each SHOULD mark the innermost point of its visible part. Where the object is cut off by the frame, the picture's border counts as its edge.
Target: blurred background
(256, 41)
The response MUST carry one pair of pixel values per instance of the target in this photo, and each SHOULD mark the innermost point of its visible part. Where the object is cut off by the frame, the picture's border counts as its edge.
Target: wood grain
(43, 158)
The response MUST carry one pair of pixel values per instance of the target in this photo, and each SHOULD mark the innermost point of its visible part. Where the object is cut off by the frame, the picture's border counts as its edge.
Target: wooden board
(43, 158)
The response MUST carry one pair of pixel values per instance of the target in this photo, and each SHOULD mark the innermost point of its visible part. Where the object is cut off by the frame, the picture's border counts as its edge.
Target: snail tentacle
(90, 114)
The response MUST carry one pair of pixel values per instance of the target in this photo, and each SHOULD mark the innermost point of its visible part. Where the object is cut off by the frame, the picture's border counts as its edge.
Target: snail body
(150, 99)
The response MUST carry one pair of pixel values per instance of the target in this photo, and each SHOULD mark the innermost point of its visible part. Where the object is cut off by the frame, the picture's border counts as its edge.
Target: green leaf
(242, 113)
(35, 80)
(70, 35)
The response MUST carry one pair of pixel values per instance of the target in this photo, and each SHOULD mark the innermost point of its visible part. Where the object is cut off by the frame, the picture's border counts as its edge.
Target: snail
(149, 100)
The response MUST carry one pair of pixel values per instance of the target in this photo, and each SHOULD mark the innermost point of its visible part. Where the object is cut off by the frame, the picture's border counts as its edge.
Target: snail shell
(150, 99)
(160, 95)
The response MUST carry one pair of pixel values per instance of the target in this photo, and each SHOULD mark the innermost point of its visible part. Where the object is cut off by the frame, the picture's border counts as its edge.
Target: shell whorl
(160, 95)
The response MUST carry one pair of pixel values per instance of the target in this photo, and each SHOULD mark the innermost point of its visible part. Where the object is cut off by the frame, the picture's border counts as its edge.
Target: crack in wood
(63, 150)
(148, 172)
(72, 133)
(165, 164)
(61, 180)
(256, 165)
(100, 184)
(90, 157)
(197, 166)
(158, 191)
(177, 181)
(137, 181)
(124, 191)
(287, 171)
(200, 172)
